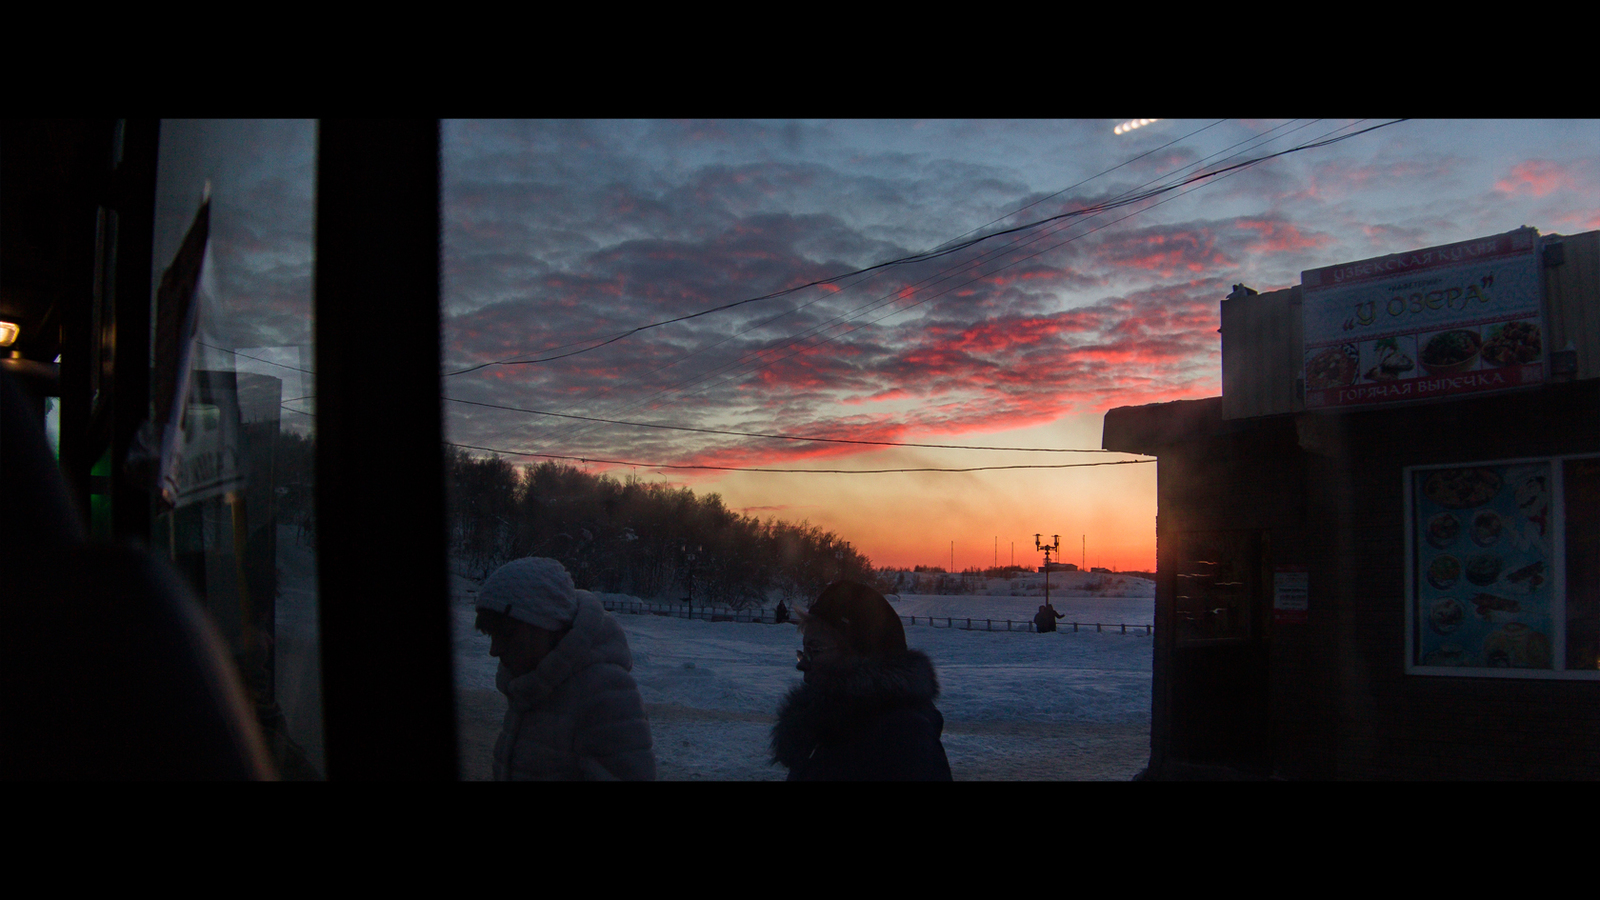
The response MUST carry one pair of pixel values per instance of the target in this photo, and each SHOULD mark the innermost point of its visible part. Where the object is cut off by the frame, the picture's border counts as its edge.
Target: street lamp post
(1047, 548)
(689, 555)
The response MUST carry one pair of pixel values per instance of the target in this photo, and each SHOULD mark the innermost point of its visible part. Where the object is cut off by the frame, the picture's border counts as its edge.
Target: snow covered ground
(1062, 584)
(1017, 706)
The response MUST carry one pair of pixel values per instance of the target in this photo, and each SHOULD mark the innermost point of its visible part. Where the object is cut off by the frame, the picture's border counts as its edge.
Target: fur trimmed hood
(595, 640)
(873, 720)
(578, 715)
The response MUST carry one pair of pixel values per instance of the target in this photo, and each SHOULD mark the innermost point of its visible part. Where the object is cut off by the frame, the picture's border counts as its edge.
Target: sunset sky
(560, 236)
(849, 280)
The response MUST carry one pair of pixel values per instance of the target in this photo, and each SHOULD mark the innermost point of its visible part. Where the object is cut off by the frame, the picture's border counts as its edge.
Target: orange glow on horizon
(910, 519)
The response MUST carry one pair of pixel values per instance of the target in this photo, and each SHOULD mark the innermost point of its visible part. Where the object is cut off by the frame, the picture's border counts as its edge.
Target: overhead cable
(1191, 183)
(933, 254)
(644, 465)
(767, 355)
(781, 437)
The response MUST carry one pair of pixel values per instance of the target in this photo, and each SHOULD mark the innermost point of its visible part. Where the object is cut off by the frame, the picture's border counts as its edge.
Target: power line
(781, 437)
(934, 254)
(817, 329)
(903, 260)
(1127, 162)
(784, 437)
(1126, 198)
(644, 465)
(1188, 184)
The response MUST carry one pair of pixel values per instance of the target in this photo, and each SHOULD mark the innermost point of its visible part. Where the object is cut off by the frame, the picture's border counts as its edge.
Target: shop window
(1504, 568)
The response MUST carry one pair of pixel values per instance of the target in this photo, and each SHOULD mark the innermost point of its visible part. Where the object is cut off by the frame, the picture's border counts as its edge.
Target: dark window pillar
(387, 684)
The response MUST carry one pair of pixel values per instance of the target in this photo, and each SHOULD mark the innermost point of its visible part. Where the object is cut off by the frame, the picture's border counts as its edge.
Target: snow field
(1017, 706)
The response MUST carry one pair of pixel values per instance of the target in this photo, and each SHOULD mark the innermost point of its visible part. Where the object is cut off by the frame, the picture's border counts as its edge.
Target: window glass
(236, 518)
(1503, 576)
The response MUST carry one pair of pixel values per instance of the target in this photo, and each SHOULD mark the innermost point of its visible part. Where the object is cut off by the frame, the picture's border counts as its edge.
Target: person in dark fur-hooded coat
(865, 710)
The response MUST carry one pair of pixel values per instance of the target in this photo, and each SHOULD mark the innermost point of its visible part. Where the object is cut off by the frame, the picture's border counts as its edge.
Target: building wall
(1247, 479)
(1261, 357)
(1389, 724)
(1326, 492)
(1572, 296)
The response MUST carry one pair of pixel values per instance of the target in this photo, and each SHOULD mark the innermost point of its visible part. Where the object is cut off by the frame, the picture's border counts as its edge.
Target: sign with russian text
(205, 460)
(1426, 324)
(1290, 590)
(197, 410)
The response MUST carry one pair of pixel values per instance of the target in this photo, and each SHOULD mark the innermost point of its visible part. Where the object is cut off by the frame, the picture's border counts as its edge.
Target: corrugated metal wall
(1572, 291)
(1262, 334)
(1261, 354)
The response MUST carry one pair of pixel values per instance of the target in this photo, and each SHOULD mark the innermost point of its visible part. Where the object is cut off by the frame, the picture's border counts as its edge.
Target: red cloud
(1013, 334)
(1278, 237)
(896, 393)
(1166, 252)
(1342, 178)
(1537, 177)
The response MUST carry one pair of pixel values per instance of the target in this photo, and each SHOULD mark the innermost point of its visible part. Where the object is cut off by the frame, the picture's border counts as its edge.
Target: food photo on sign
(1451, 352)
(1513, 344)
(1481, 589)
(1332, 367)
(1389, 359)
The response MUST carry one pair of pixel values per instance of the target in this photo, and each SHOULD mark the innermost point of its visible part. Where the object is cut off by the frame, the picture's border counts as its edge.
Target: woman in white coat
(574, 712)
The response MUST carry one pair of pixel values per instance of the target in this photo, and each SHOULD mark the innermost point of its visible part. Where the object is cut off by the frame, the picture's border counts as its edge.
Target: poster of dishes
(1426, 324)
(1482, 557)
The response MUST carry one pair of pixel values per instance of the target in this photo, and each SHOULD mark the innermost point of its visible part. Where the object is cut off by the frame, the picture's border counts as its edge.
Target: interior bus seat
(109, 667)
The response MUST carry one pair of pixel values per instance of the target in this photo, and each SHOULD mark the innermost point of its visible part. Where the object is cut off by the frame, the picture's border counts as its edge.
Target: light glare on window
(1131, 124)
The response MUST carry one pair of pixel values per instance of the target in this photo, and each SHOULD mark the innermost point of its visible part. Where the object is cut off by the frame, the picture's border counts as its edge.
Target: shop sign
(204, 460)
(1290, 590)
(1427, 324)
(197, 411)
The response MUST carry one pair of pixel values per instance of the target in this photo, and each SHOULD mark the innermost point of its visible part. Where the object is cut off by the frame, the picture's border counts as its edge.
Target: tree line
(627, 536)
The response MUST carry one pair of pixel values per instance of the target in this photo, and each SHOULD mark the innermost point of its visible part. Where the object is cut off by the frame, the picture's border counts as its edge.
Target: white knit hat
(535, 589)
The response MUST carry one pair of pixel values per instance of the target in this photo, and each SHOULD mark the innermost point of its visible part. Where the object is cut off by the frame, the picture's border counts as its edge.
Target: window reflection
(241, 529)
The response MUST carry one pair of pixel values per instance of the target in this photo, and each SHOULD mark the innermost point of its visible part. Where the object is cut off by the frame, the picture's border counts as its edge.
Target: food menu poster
(1427, 324)
(1482, 567)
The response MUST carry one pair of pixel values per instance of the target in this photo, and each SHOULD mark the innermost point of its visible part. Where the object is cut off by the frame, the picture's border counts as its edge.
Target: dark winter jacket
(578, 716)
(1045, 618)
(875, 721)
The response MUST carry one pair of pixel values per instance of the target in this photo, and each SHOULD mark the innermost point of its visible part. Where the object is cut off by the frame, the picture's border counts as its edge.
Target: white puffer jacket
(578, 716)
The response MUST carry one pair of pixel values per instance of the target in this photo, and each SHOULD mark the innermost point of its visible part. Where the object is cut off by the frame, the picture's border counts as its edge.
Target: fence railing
(1011, 625)
(759, 615)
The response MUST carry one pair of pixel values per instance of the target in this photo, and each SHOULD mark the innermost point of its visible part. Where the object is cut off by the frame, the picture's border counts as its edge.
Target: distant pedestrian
(573, 712)
(781, 614)
(865, 710)
(1045, 618)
